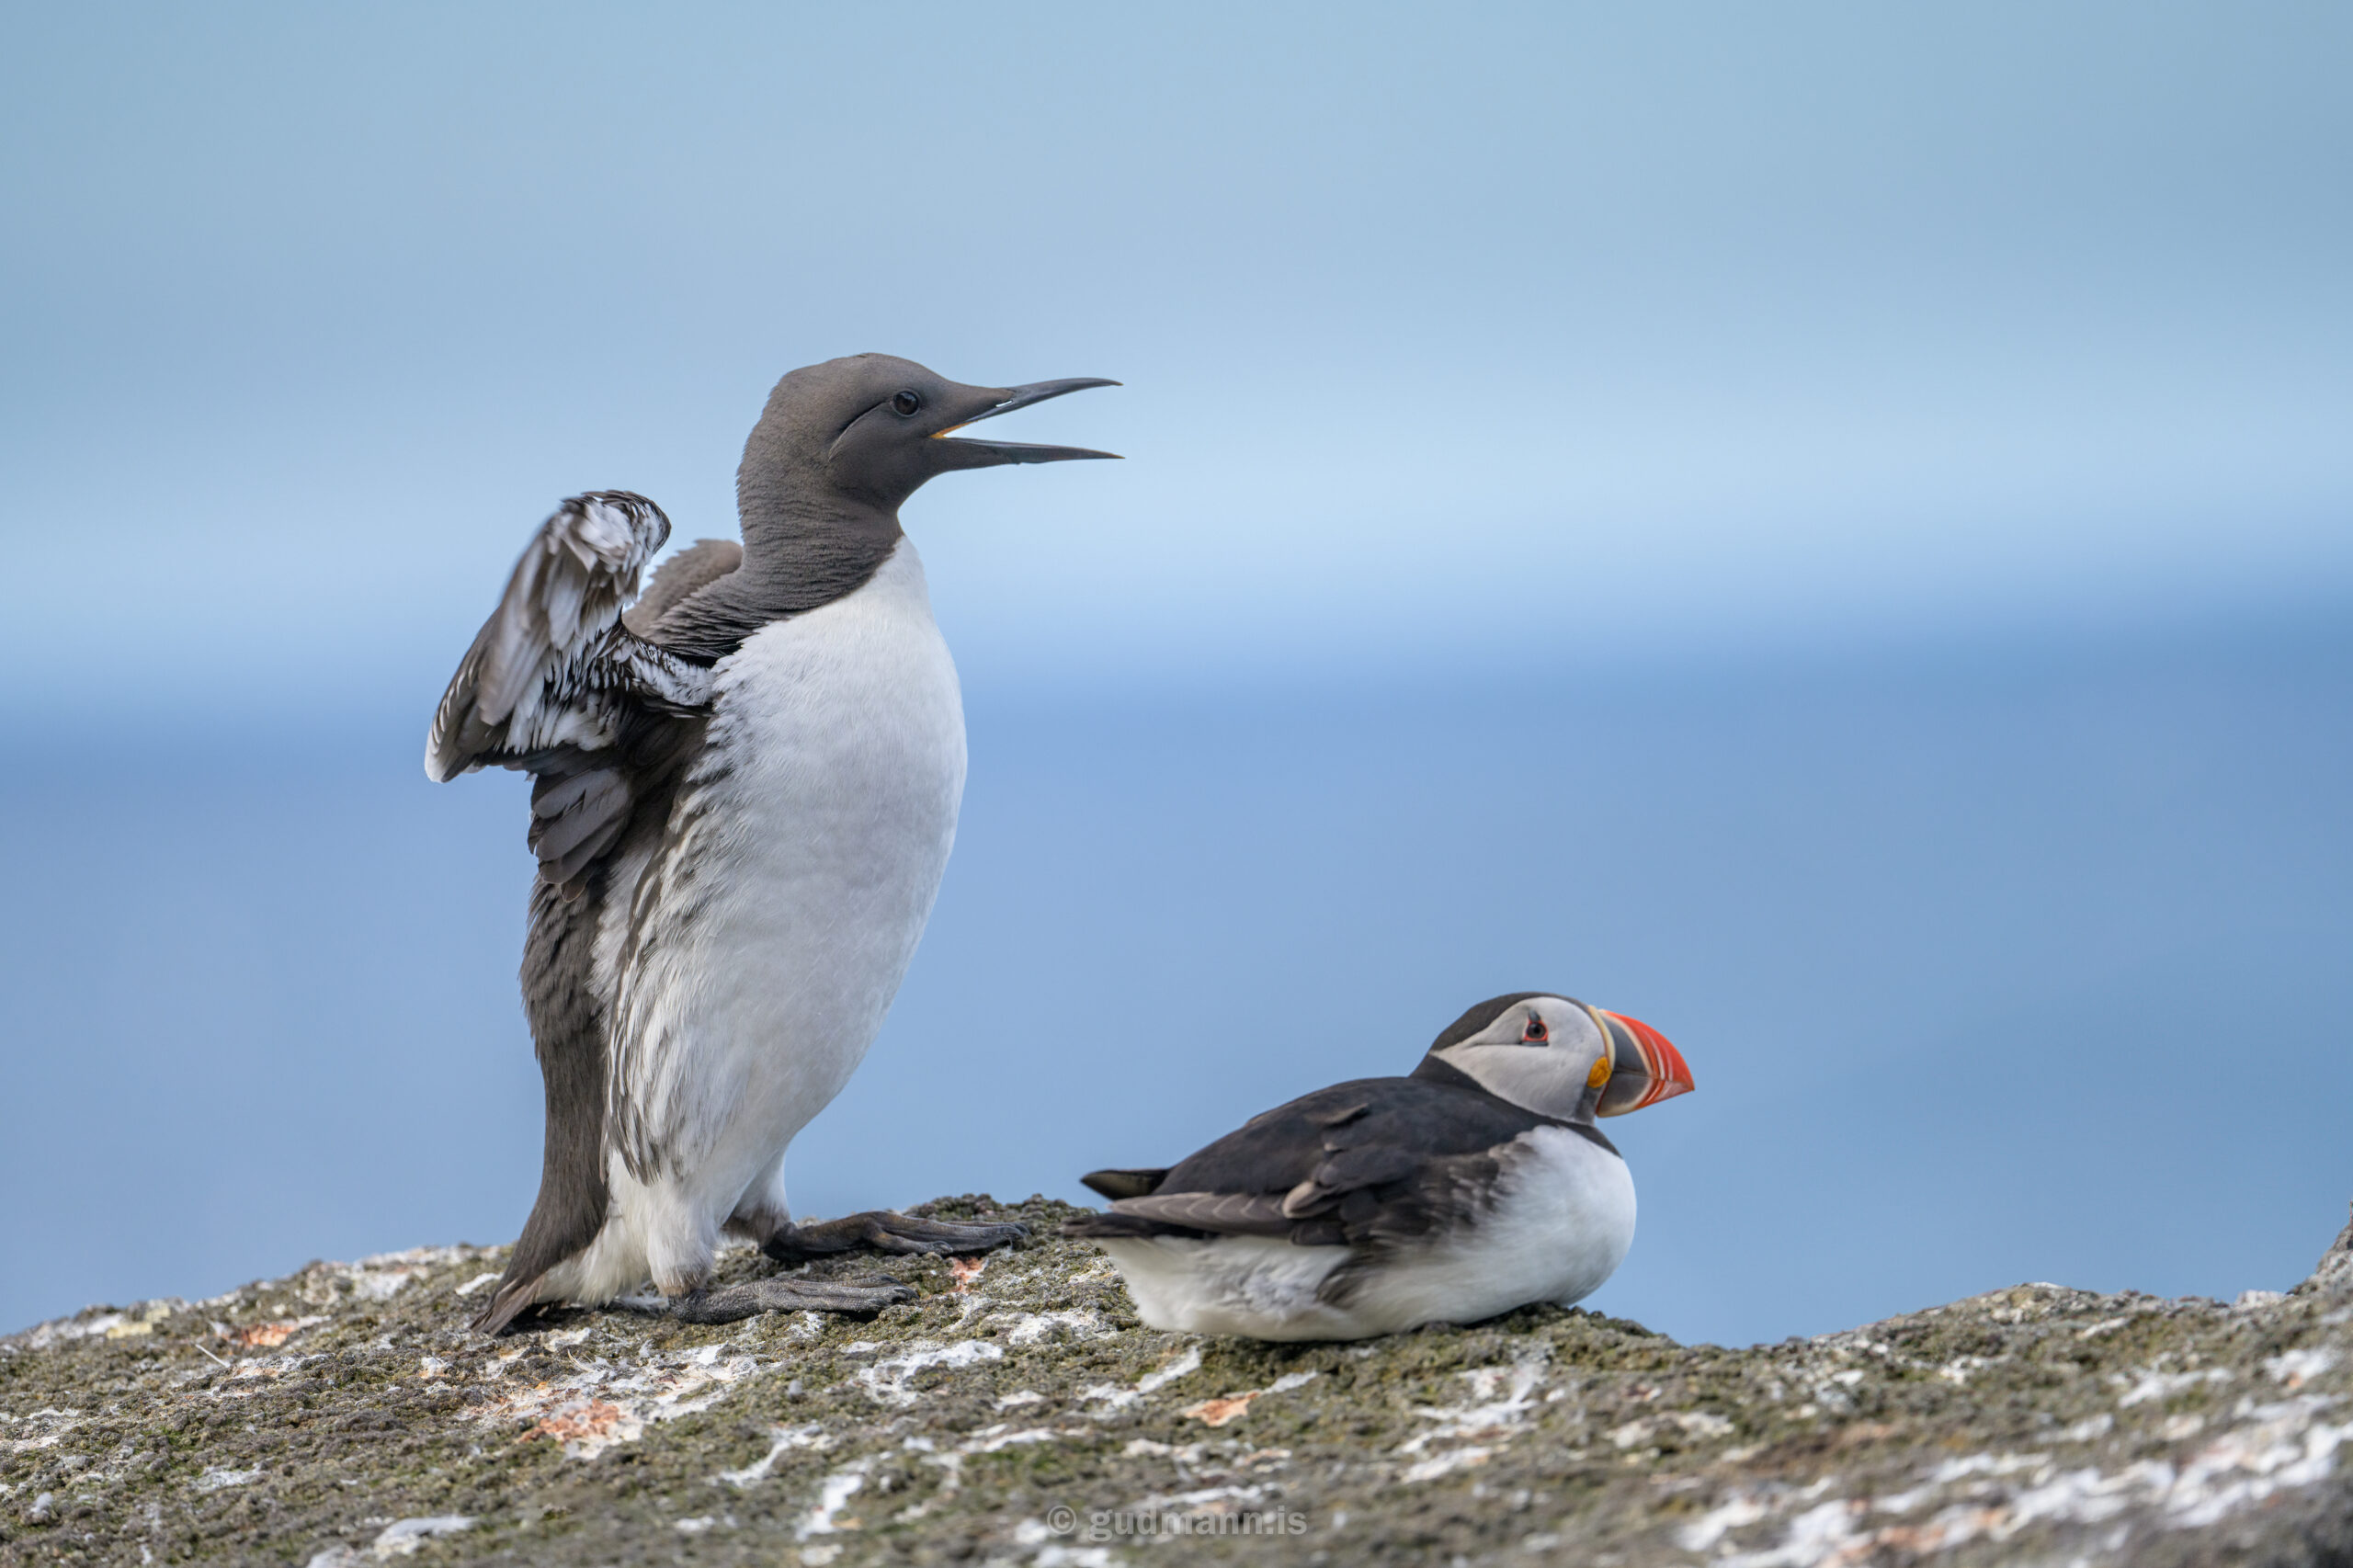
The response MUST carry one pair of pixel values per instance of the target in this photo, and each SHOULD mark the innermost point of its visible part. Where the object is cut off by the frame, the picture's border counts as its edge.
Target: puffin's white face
(1546, 1053)
(1558, 1057)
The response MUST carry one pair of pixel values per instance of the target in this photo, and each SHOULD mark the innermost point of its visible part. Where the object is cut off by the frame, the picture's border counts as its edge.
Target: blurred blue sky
(1707, 325)
(1964, 392)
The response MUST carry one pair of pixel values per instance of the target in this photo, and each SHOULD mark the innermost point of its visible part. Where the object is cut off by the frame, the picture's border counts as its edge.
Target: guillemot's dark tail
(567, 1029)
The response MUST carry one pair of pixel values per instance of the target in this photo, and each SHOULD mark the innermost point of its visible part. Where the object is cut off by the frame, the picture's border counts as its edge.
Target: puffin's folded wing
(1187, 1213)
(554, 668)
(1368, 1162)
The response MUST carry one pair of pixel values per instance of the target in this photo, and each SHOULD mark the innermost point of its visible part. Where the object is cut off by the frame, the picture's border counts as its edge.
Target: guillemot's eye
(1534, 1034)
(906, 402)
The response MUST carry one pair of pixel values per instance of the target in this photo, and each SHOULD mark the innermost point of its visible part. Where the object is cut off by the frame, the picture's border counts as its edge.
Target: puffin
(744, 791)
(1477, 1184)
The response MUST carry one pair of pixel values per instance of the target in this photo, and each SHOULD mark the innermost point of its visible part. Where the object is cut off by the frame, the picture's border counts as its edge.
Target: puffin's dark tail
(1115, 1184)
(1124, 1183)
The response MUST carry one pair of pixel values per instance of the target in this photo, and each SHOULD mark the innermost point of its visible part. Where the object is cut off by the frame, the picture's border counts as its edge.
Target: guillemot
(1477, 1185)
(746, 788)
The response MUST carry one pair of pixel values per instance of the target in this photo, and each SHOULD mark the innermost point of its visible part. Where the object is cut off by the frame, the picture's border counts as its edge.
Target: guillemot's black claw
(885, 1231)
(729, 1303)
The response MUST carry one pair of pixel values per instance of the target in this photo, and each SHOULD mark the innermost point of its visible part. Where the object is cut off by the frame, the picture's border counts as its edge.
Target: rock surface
(1018, 1414)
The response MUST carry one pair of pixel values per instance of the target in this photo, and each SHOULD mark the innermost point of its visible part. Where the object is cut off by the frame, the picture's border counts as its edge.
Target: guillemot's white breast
(767, 938)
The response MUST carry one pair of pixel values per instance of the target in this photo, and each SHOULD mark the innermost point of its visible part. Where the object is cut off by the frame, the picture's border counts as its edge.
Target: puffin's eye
(1534, 1033)
(906, 402)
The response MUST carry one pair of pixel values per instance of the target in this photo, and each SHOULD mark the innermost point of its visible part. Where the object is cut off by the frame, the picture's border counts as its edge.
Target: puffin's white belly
(768, 935)
(1560, 1222)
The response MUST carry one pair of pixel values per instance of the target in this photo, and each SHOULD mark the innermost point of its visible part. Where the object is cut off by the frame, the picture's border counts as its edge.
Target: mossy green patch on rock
(1017, 1412)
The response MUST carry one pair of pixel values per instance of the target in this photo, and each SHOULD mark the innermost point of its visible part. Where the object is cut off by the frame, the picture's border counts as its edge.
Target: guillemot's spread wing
(553, 665)
(1374, 1161)
(558, 685)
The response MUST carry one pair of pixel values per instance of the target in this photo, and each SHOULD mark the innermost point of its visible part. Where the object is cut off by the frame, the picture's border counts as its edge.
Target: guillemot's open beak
(1004, 400)
(1645, 1066)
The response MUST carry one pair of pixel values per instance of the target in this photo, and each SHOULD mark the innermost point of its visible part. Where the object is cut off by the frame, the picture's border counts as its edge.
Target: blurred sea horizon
(2018, 961)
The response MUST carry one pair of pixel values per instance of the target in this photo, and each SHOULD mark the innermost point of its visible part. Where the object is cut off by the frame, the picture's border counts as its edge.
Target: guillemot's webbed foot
(885, 1231)
(731, 1303)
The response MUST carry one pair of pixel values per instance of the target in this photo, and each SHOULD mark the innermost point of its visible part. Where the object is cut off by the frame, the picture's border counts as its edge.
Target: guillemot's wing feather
(554, 666)
(696, 567)
(1362, 1163)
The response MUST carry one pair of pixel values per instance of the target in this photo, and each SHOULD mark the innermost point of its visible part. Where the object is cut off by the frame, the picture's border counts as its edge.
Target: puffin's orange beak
(1657, 1072)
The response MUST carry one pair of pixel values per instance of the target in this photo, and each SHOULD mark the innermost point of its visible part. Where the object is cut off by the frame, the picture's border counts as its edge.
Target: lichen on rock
(1017, 1412)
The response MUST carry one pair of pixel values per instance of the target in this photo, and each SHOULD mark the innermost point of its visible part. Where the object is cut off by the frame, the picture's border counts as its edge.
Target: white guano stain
(598, 1407)
(1993, 1496)
(887, 1380)
(2165, 1385)
(2297, 1367)
(1023, 1329)
(1154, 1381)
(1115, 1398)
(782, 1441)
(402, 1537)
(826, 1517)
(1501, 1399)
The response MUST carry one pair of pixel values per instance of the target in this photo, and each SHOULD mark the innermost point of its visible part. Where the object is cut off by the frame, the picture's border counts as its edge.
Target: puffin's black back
(1275, 1150)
